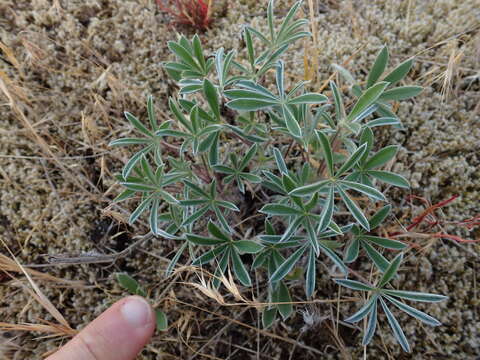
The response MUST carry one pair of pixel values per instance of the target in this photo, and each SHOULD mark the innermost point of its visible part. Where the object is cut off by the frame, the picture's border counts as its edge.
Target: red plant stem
(453, 237)
(470, 223)
(417, 220)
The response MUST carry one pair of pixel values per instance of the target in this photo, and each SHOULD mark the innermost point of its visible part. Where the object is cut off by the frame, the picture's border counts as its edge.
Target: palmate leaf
(190, 55)
(380, 294)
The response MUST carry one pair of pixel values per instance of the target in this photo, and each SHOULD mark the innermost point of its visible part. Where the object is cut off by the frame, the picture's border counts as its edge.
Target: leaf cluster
(235, 134)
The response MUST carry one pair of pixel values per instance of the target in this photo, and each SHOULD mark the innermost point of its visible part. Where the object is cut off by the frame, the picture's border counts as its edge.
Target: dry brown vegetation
(68, 70)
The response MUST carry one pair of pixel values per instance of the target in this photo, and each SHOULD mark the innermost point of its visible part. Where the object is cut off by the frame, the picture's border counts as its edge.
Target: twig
(90, 257)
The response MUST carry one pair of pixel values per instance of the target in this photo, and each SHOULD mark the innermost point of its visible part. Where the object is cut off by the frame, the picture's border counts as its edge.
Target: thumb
(119, 333)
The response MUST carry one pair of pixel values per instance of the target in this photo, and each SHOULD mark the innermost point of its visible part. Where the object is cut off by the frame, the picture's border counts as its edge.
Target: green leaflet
(161, 320)
(381, 157)
(416, 296)
(401, 93)
(368, 98)
(283, 296)
(420, 315)
(212, 97)
(247, 246)
(130, 284)
(391, 271)
(240, 270)
(399, 72)
(287, 266)
(378, 259)
(327, 151)
(354, 209)
(397, 330)
(390, 178)
(364, 311)
(353, 284)
(378, 67)
(310, 278)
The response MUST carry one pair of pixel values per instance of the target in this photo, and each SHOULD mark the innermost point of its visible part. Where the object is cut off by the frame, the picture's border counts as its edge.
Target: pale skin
(120, 333)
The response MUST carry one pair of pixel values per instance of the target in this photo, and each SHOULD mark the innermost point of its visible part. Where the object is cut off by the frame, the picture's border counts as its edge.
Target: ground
(68, 70)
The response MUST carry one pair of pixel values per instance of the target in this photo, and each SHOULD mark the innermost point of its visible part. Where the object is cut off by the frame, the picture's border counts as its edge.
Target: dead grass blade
(8, 265)
(10, 55)
(38, 295)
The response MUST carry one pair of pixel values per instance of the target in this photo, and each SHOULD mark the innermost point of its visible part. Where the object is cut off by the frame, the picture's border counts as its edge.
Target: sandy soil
(68, 70)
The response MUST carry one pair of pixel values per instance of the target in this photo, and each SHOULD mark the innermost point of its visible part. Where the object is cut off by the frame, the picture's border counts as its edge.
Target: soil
(68, 71)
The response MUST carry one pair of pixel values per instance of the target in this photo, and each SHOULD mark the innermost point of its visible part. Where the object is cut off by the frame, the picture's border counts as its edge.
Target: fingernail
(136, 311)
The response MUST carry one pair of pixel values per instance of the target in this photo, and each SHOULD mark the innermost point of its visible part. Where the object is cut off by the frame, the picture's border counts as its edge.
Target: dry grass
(42, 329)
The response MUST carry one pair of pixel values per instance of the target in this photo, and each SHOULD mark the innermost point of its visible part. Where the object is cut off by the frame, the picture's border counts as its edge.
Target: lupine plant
(237, 136)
